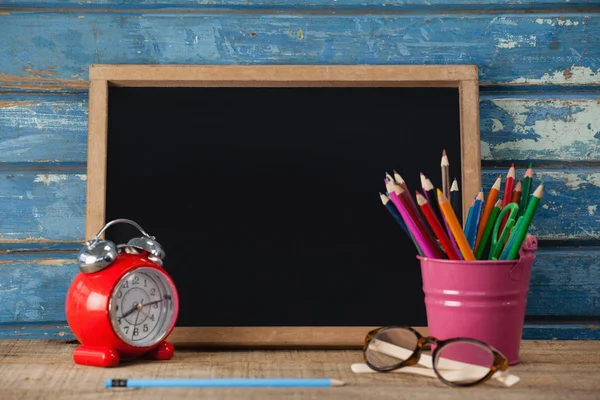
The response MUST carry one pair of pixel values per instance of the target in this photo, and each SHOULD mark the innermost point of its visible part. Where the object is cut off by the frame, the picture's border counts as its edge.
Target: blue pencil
(222, 382)
(474, 223)
(467, 228)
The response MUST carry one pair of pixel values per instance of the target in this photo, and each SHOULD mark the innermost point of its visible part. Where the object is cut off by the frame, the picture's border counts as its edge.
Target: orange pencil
(516, 196)
(489, 205)
(455, 227)
(437, 227)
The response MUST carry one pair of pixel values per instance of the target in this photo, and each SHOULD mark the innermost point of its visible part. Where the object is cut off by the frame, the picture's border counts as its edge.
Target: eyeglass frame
(500, 361)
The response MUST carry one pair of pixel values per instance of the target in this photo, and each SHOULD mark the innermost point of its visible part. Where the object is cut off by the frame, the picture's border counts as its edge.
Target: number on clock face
(141, 307)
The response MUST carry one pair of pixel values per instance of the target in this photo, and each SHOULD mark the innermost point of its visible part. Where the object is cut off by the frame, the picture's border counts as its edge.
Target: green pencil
(525, 190)
(520, 235)
(488, 228)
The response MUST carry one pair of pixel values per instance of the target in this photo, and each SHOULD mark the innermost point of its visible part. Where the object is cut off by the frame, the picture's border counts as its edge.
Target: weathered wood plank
(49, 206)
(51, 128)
(33, 287)
(303, 4)
(45, 370)
(565, 282)
(55, 49)
(40, 206)
(549, 127)
(568, 209)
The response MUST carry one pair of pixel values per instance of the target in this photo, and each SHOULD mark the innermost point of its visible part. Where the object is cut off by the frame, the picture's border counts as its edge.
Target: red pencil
(437, 227)
(508, 192)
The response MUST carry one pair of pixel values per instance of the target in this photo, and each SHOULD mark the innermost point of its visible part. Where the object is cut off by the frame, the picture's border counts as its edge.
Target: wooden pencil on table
(427, 244)
(398, 217)
(516, 196)
(436, 226)
(525, 190)
(457, 231)
(489, 205)
(445, 165)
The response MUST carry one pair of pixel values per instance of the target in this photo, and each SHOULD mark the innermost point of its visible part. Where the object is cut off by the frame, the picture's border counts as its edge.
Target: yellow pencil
(454, 225)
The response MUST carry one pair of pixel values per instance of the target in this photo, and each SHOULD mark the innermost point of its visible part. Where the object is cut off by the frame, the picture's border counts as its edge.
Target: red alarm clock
(122, 304)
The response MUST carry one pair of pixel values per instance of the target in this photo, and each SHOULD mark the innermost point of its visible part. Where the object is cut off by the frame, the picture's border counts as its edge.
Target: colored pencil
(521, 233)
(511, 239)
(455, 200)
(508, 189)
(396, 214)
(455, 227)
(489, 224)
(436, 226)
(418, 232)
(516, 196)
(472, 235)
(413, 205)
(469, 219)
(221, 382)
(525, 190)
(429, 192)
(445, 164)
(489, 205)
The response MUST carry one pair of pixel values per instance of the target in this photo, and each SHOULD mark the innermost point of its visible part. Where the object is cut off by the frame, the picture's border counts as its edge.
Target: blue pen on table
(222, 382)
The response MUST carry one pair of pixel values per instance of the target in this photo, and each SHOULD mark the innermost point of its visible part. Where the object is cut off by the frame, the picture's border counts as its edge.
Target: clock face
(141, 307)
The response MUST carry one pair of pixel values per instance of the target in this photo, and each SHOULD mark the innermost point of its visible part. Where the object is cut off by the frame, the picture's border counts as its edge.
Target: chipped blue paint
(58, 330)
(33, 288)
(519, 48)
(43, 129)
(430, 5)
(555, 128)
(37, 205)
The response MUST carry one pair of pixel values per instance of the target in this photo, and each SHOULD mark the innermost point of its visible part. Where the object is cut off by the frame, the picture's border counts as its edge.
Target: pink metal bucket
(483, 300)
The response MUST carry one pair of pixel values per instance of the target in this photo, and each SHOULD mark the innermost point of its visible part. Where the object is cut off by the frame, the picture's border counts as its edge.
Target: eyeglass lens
(460, 362)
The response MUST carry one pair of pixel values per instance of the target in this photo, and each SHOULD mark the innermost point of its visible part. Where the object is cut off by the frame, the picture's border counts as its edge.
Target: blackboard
(266, 199)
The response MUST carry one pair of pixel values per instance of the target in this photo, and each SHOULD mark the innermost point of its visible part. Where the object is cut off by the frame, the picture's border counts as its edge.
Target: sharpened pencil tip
(443, 152)
(530, 165)
(335, 382)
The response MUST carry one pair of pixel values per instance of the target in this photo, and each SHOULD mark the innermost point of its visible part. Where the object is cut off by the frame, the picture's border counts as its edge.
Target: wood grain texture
(45, 370)
(544, 49)
(33, 287)
(43, 129)
(387, 5)
(39, 128)
(42, 206)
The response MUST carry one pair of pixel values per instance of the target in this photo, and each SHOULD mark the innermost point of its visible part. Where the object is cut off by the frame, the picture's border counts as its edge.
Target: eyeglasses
(456, 362)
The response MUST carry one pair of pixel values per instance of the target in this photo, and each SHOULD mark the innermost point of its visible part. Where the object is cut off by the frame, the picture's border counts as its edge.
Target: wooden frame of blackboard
(463, 77)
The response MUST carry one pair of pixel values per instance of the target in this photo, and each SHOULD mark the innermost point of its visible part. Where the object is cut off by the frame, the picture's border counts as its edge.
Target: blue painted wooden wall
(539, 64)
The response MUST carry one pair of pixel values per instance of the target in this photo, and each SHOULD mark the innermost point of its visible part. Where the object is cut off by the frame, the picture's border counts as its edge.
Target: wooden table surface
(43, 369)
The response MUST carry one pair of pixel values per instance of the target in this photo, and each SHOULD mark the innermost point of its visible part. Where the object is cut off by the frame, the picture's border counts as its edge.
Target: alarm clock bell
(122, 304)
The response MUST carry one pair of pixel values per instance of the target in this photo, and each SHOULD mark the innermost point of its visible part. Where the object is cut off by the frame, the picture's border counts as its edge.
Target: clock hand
(136, 320)
(131, 311)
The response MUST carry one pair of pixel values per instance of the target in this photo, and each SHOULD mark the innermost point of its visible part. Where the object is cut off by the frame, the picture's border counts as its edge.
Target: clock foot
(96, 356)
(164, 351)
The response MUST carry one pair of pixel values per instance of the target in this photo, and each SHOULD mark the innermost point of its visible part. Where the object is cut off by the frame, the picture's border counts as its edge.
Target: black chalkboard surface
(266, 199)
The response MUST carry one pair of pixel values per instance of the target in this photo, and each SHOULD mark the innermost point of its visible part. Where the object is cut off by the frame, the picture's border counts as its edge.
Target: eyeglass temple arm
(501, 376)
